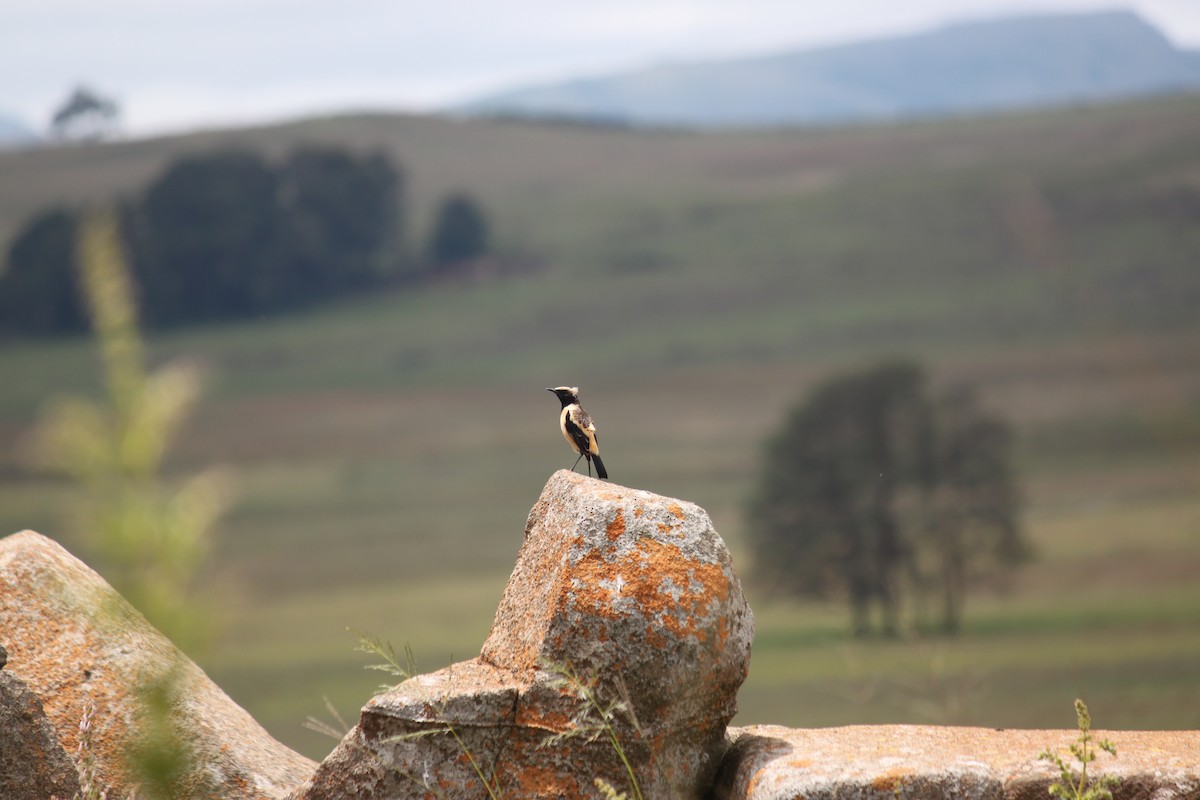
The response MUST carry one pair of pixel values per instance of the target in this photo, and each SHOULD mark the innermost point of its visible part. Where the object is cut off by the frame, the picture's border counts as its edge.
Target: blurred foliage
(149, 539)
(161, 757)
(876, 487)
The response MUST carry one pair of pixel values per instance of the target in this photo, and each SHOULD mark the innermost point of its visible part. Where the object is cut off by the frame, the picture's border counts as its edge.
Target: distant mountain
(14, 132)
(1009, 63)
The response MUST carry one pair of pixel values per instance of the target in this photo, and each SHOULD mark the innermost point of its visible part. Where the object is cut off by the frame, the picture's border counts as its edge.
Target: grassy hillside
(388, 449)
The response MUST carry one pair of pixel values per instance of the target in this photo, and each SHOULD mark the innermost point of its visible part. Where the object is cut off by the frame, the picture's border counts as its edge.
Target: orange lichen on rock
(752, 781)
(532, 715)
(616, 528)
(676, 593)
(658, 584)
(546, 782)
(892, 780)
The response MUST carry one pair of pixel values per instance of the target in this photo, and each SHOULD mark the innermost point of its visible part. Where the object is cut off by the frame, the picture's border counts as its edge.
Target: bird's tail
(600, 470)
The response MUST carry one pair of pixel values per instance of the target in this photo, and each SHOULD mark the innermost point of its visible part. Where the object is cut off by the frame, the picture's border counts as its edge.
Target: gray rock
(76, 643)
(636, 596)
(33, 764)
(3, 656)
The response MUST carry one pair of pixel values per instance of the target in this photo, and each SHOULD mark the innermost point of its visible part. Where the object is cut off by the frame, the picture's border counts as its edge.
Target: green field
(387, 449)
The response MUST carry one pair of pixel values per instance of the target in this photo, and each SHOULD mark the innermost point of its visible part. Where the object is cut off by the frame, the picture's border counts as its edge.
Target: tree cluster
(230, 235)
(878, 490)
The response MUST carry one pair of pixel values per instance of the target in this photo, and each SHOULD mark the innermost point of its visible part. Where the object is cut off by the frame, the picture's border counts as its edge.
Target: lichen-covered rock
(769, 762)
(618, 592)
(33, 764)
(76, 643)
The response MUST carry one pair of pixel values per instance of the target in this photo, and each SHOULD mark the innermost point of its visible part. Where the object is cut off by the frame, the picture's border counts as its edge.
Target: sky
(176, 65)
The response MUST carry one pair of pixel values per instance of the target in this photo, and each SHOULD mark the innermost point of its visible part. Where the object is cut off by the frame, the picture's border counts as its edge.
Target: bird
(578, 429)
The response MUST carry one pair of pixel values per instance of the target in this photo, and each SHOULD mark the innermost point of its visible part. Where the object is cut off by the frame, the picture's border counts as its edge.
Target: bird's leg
(577, 462)
(589, 466)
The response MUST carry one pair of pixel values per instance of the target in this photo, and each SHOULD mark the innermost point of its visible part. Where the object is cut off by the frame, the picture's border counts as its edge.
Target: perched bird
(578, 429)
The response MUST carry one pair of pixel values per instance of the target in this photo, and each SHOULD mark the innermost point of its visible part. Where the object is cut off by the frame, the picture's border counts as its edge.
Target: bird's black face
(565, 394)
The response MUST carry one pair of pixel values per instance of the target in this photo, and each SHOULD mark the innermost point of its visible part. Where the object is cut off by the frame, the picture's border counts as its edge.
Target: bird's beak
(548, 389)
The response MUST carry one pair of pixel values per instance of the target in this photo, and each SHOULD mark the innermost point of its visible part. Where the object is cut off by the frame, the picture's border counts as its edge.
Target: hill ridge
(1025, 61)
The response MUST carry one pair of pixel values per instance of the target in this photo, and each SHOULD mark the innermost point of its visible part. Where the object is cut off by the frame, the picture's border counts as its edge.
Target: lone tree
(85, 114)
(874, 487)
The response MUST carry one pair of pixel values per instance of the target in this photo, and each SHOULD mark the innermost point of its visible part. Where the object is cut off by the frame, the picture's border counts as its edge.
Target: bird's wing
(582, 430)
(582, 419)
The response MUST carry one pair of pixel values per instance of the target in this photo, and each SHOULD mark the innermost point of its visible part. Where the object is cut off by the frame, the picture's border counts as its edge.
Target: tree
(969, 503)
(873, 487)
(85, 114)
(460, 232)
(38, 288)
(822, 519)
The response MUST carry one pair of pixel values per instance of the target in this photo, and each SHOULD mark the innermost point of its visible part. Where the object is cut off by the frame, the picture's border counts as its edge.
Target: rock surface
(891, 762)
(33, 764)
(75, 642)
(636, 595)
(634, 592)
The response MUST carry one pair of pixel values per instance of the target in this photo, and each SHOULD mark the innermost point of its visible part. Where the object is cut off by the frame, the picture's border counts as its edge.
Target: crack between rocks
(504, 741)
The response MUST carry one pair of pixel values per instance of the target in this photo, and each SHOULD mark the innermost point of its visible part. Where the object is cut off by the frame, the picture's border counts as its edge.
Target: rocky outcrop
(77, 644)
(768, 762)
(618, 597)
(616, 653)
